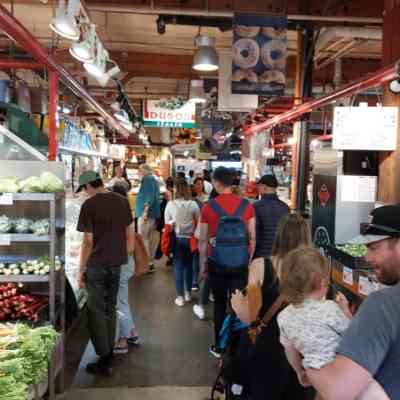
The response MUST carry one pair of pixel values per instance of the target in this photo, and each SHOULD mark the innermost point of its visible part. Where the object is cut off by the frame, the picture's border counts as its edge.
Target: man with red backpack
(226, 245)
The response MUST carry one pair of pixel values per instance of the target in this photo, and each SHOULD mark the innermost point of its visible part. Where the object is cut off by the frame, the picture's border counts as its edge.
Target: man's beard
(388, 277)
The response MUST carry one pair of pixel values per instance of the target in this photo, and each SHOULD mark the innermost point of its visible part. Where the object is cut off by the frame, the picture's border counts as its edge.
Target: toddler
(311, 327)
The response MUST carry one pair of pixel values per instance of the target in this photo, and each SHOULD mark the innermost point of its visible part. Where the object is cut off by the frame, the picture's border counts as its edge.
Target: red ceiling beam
(11, 63)
(21, 35)
(378, 78)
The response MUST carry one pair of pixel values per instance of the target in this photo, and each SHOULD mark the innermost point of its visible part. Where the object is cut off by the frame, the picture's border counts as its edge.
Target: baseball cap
(87, 177)
(384, 224)
(269, 180)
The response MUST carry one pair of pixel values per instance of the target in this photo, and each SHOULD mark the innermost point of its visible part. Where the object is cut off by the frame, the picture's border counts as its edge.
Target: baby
(311, 326)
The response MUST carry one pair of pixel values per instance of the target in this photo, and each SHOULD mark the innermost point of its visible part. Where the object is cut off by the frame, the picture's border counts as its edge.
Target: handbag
(168, 239)
(141, 256)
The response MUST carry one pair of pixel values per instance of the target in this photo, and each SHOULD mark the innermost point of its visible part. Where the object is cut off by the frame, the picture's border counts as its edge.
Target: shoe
(211, 298)
(199, 311)
(152, 269)
(215, 351)
(121, 350)
(195, 288)
(99, 368)
(179, 301)
(188, 297)
(133, 340)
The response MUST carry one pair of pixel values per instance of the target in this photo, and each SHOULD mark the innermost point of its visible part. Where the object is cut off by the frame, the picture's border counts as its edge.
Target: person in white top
(312, 327)
(182, 214)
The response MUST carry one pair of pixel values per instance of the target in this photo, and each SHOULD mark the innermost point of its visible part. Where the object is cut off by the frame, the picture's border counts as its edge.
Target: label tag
(6, 199)
(5, 240)
(348, 276)
(366, 287)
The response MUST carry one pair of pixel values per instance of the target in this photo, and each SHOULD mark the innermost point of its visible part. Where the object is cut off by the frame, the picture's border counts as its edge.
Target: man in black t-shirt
(105, 219)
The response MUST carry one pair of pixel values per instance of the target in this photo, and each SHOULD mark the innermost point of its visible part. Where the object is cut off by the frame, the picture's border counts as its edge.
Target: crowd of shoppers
(309, 347)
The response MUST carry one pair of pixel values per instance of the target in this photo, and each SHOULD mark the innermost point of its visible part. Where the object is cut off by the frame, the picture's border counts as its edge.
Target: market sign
(165, 114)
(365, 128)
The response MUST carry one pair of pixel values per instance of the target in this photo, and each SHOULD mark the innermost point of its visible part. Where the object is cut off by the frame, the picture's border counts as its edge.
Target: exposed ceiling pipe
(102, 7)
(11, 63)
(375, 79)
(21, 35)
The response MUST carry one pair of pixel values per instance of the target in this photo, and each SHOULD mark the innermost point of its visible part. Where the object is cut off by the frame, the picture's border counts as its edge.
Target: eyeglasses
(378, 230)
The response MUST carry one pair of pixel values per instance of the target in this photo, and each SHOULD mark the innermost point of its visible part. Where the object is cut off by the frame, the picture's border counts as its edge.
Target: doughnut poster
(259, 55)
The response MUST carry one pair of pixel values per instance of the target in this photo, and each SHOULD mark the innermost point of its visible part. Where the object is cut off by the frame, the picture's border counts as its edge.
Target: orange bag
(167, 240)
(194, 244)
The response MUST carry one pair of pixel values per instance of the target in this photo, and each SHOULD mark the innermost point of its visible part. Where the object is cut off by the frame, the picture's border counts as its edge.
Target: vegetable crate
(348, 260)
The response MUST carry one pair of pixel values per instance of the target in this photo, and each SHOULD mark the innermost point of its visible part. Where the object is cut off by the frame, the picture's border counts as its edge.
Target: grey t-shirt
(373, 339)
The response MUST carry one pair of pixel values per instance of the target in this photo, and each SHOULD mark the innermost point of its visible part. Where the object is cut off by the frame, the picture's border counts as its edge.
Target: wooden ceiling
(157, 65)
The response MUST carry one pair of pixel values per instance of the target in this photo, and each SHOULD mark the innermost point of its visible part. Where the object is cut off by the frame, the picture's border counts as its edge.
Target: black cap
(384, 224)
(269, 180)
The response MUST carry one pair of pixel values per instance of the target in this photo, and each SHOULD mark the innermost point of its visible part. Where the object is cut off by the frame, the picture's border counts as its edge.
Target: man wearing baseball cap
(269, 211)
(105, 220)
(370, 348)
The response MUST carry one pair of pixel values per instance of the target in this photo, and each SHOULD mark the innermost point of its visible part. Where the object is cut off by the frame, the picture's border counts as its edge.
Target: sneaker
(211, 298)
(99, 368)
(152, 269)
(121, 350)
(199, 311)
(179, 301)
(188, 297)
(215, 351)
(195, 288)
(133, 340)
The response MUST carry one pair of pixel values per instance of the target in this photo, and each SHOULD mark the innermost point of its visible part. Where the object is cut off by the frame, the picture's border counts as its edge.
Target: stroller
(234, 373)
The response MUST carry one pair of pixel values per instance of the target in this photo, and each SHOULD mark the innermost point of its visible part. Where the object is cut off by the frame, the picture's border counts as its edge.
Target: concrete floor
(172, 360)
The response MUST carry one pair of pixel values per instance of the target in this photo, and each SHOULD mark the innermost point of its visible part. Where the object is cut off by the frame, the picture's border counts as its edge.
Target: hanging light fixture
(84, 50)
(98, 67)
(111, 73)
(196, 92)
(64, 24)
(206, 57)
(122, 116)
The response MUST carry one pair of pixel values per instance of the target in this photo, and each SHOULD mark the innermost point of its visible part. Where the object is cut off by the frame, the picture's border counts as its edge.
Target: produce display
(24, 225)
(45, 183)
(17, 304)
(40, 266)
(24, 357)
(354, 250)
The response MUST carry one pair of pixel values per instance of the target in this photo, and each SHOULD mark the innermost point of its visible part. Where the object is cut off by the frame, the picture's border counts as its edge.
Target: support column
(53, 101)
(389, 168)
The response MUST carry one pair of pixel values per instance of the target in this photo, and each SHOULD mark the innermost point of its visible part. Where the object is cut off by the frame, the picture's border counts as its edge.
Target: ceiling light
(122, 116)
(84, 50)
(66, 110)
(111, 73)
(291, 141)
(196, 92)
(394, 86)
(206, 57)
(98, 67)
(64, 24)
(115, 106)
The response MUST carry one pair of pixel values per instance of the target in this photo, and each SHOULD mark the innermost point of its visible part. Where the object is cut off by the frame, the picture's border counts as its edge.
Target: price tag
(5, 240)
(6, 199)
(348, 276)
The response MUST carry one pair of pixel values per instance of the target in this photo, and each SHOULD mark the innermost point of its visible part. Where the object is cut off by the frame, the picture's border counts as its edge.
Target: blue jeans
(183, 266)
(125, 318)
(196, 268)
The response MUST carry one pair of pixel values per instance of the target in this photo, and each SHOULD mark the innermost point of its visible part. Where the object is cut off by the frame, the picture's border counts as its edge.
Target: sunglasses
(376, 229)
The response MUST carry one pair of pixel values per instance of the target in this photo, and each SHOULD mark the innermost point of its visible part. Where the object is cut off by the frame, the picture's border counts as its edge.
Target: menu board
(358, 188)
(365, 128)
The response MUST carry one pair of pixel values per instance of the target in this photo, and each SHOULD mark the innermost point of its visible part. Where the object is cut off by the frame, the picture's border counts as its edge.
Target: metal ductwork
(338, 41)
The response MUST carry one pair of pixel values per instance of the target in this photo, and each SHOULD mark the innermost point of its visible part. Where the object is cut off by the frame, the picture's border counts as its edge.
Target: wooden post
(389, 168)
(297, 125)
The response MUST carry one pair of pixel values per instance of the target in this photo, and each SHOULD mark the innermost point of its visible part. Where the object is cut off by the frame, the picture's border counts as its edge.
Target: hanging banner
(259, 55)
(169, 113)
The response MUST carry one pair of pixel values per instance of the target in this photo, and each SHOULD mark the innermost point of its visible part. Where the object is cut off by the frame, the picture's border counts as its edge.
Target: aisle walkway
(174, 344)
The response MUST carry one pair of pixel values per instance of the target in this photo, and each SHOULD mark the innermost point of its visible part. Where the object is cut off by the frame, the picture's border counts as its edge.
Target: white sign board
(5, 240)
(6, 199)
(358, 188)
(365, 128)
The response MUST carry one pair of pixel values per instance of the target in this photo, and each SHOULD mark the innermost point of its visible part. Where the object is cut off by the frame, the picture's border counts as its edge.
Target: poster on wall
(259, 54)
(365, 128)
(170, 113)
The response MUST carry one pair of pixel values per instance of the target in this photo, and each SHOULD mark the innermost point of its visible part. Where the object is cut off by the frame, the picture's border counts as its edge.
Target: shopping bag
(141, 256)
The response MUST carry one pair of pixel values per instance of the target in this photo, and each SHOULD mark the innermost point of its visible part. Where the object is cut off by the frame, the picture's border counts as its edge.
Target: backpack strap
(217, 208)
(241, 209)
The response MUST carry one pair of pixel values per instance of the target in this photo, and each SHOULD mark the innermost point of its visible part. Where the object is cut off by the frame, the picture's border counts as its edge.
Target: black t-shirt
(106, 215)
